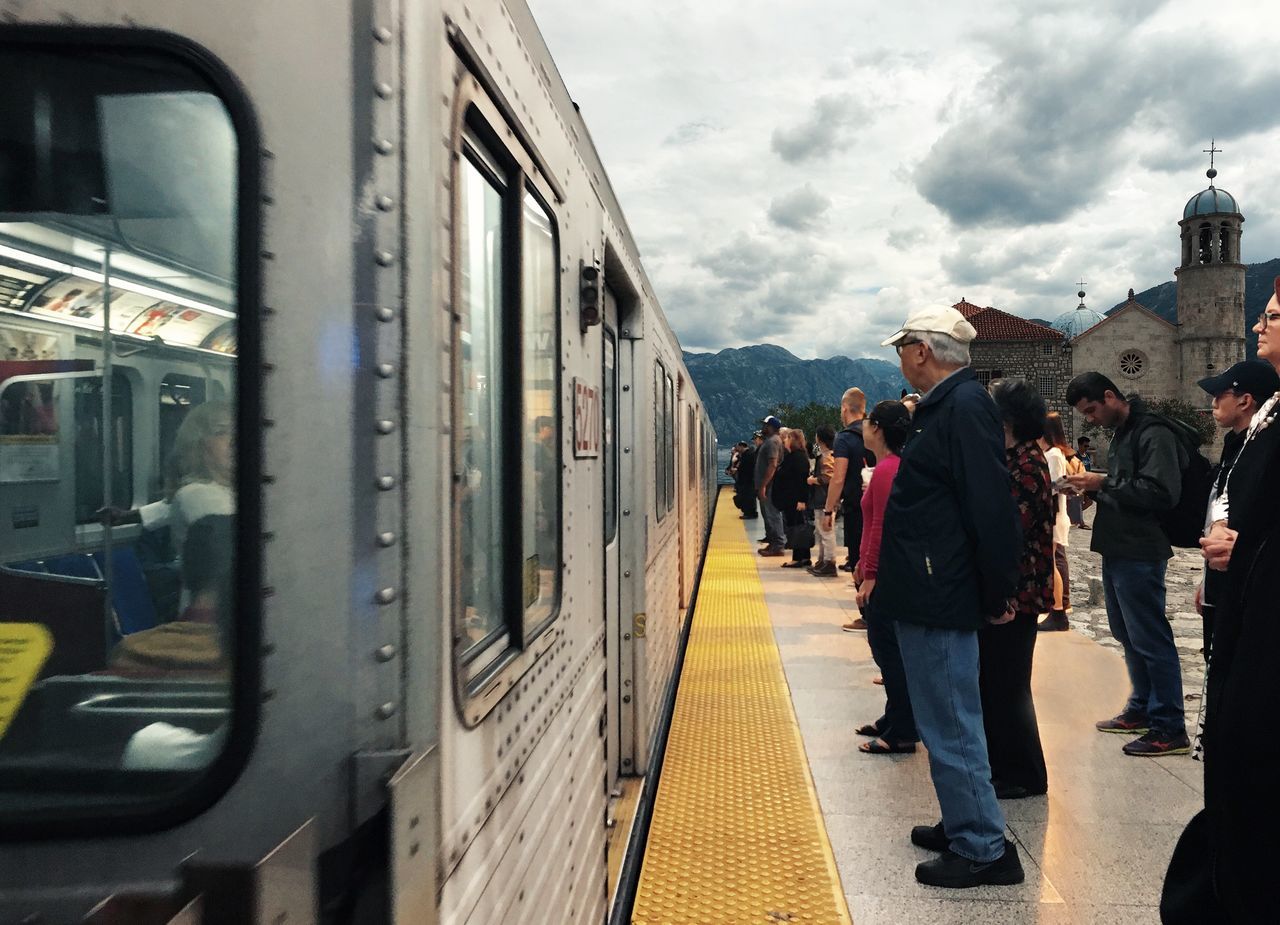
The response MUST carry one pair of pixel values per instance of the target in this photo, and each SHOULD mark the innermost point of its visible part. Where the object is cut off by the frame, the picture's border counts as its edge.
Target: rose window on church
(1133, 363)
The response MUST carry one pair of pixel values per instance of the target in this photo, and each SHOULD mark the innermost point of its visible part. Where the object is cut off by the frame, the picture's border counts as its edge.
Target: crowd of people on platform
(958, 504)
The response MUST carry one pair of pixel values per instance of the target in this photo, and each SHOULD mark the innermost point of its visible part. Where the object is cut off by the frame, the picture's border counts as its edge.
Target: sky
(807, 173)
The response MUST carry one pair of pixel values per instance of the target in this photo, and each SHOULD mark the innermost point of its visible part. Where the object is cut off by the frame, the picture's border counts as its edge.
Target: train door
(612, 543)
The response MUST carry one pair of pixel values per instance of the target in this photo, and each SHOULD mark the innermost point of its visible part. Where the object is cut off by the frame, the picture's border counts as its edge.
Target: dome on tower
(1210, 202)
(1076, 322)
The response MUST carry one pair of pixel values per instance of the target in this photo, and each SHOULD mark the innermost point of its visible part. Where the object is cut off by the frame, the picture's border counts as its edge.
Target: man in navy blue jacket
(949, 565)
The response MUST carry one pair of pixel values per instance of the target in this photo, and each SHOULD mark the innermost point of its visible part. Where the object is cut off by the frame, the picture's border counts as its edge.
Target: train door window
(507, 420)
(660, 441)
(610, 425)
(129, 188)
(178, 395)
(89, 457)
(669, 440)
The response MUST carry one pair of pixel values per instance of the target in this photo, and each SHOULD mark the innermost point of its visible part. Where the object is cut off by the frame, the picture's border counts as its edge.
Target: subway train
(353, 490)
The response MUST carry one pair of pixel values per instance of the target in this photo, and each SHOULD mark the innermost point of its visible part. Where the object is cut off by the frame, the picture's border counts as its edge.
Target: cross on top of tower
(1211, 151)
(1081, 292)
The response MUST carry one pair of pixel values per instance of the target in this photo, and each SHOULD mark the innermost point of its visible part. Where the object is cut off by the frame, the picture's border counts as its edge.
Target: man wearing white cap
(948, 566)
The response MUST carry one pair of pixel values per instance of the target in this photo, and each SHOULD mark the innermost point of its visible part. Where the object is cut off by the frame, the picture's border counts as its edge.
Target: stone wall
(1045, 364)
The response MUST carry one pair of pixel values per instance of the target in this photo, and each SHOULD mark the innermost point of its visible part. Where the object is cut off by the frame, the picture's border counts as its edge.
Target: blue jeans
(773, 531)
(942, 677)
(1134, 590)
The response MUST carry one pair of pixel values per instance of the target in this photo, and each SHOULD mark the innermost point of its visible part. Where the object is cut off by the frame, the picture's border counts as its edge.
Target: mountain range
(740, 385)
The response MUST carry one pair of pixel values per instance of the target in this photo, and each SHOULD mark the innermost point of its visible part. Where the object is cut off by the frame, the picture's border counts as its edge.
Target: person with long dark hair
(884, 432)
(791, 496)
(1060, 456)
(1005, 650)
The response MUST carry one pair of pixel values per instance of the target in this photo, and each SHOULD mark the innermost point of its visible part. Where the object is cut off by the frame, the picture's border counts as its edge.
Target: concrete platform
(1095, 848)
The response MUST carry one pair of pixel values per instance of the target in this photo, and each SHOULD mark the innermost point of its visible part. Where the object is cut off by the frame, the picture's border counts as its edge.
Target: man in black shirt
(1237, 395)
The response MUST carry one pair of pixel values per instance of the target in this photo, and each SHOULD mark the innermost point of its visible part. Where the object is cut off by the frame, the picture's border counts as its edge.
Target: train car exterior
(342, 304)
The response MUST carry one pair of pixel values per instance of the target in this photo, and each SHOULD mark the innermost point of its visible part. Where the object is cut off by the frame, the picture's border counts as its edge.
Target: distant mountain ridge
(739, 385)
(1258, 279)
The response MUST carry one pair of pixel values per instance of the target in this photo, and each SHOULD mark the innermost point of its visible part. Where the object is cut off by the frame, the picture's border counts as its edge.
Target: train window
(120, 184)
(508, 366)
(91, 496)
(541, 524)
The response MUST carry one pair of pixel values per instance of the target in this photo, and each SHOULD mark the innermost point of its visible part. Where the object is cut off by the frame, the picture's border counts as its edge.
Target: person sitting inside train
(196, 646)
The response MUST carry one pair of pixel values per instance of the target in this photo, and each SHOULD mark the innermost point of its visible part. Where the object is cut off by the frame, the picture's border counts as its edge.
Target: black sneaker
(1154, 744)
(1125, 723)
(957, 873)
(931, 837)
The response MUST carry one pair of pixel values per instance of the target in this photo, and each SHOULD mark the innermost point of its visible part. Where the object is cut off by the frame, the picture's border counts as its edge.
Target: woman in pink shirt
(884, 433)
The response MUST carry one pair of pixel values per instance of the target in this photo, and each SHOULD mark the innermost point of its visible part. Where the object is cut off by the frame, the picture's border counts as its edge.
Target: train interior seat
(131, 594)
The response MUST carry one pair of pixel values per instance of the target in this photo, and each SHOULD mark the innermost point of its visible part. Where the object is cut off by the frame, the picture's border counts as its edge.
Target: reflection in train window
(118, 242)
(178, 395)
(480, 261)
(541, 517)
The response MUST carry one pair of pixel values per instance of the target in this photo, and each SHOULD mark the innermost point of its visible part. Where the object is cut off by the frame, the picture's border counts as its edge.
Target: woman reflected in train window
(204, 465)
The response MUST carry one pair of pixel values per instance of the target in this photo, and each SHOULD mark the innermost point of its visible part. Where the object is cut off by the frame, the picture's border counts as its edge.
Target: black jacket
(745, 479)
(849, 445)
(1127, 525)
(951, 540)
(791, 483)
(1240, 756)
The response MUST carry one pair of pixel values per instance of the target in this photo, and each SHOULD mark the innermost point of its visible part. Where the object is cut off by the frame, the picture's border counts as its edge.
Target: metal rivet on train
(386, 539)
(385, 653)
(382, 34)
(383, 145)
(385, 203)
(385, 426)
(626, 512)
(626, 388)
(385, 595)
(626, 449)
(385, 314)
(386, 482)
(387, 710)
(385, 370)
(384, 258)
(383, 90)
(626, 574)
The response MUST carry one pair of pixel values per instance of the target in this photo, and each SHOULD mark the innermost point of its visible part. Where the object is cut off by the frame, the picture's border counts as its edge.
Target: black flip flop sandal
(881, 747)
(870, 729)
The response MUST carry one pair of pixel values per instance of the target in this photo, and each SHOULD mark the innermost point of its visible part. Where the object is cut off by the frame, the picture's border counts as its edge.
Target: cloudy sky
(803, 173)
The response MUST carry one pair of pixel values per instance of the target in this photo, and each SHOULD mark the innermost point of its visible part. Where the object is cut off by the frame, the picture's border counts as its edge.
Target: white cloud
(789, 179)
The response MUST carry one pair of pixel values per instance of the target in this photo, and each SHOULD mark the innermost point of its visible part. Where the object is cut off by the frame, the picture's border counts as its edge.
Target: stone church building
(1143, 354)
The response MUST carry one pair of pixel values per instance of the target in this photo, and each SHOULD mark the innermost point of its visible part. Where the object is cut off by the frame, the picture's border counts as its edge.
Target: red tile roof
(993, 324)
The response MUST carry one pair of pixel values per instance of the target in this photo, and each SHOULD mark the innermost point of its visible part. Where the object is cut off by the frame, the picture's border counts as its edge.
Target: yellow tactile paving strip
(737, 835)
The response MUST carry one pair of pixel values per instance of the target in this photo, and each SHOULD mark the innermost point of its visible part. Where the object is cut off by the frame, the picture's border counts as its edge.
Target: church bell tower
(1210, 287)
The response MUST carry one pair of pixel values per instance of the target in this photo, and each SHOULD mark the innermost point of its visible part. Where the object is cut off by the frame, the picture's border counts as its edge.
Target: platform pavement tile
(814, 672)
(874, 856)
(1101, 863)
(880, 910)
(895, 786)
(1189, 772)
(1138, 791)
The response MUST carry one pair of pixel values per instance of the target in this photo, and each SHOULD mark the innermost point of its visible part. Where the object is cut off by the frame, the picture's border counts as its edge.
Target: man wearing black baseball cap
(1237, 394)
